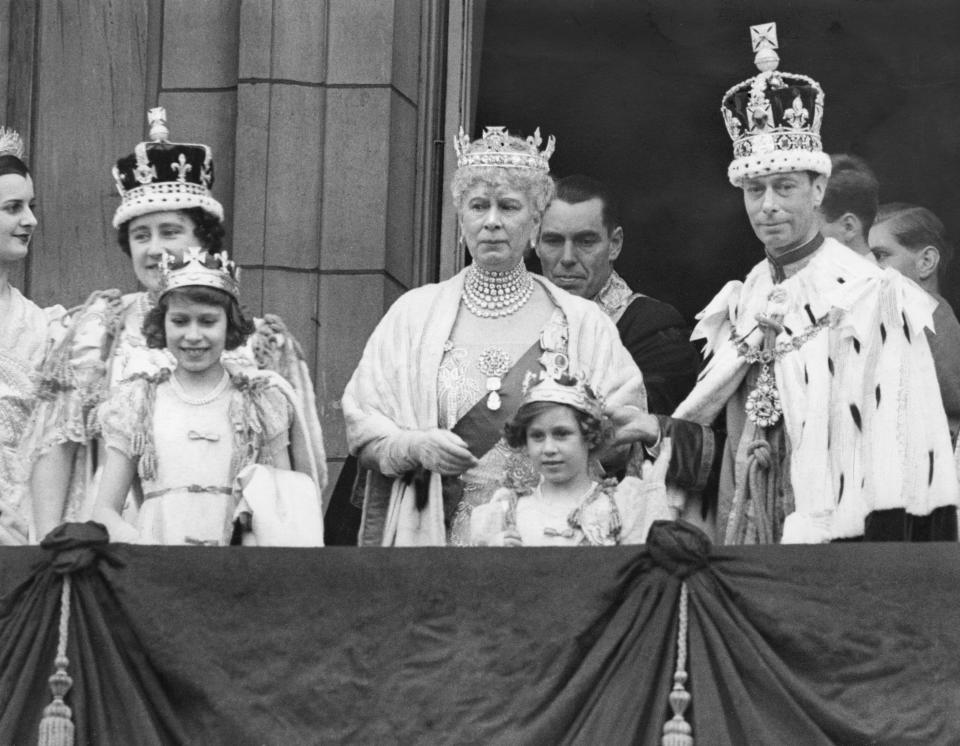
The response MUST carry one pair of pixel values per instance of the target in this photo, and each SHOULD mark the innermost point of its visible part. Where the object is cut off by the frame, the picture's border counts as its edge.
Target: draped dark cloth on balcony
(845, 644)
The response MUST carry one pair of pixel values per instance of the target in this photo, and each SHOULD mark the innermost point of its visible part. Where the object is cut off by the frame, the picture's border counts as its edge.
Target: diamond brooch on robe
(494, 364)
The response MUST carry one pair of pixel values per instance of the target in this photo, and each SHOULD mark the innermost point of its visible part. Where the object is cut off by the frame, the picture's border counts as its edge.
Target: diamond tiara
(499, 148)
(11, 143)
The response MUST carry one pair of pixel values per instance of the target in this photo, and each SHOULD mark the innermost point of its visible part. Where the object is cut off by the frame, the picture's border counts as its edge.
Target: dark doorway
(632, 91)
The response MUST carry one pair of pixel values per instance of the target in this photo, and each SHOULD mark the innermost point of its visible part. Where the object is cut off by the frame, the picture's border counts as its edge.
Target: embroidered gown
(25, 334)
(188, 453)
(607, 514)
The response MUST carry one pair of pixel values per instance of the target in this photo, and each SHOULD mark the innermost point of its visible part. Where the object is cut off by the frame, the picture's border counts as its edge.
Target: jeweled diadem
(161, 175)
(561, 388)
(774, 117)
(497, 147)
(199, 267)
(10, 143)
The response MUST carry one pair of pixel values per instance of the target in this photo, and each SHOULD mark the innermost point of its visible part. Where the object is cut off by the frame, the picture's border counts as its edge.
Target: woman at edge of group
(166, 207)
(25, 334)
(441, 373)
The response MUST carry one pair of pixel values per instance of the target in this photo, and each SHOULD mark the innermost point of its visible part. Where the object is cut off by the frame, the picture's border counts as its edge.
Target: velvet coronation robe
(863, 423)
(394, 390)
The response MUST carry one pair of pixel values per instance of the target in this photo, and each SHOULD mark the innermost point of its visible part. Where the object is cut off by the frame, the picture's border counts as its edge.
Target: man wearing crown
(818, 359)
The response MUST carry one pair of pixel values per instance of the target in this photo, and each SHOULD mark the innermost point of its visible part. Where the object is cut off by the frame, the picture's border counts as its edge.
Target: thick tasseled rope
(677, 731)
(56, 726)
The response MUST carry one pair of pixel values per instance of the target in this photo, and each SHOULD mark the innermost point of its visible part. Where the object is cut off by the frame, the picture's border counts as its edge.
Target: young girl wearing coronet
(166, 207)
(559, 424)
(188, 433)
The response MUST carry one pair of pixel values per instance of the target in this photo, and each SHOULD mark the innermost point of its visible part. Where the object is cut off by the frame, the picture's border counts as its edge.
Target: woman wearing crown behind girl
(188, 433)
(25, 333)
(560, 427)
(166, 207)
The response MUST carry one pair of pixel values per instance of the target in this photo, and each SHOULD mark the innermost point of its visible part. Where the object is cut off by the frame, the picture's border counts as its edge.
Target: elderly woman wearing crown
(25, 333)
(166, 207)
(441, 373)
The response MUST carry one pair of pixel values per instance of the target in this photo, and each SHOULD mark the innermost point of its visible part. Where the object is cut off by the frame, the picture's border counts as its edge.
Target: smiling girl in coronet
(166, 208)
(188, 433)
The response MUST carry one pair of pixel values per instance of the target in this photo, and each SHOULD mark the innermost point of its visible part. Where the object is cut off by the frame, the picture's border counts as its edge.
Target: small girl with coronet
(560, 426)
(187, 433)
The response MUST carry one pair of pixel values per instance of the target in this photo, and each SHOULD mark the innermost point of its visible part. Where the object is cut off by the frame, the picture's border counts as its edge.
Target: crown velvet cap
(161, 175)
(774, 118)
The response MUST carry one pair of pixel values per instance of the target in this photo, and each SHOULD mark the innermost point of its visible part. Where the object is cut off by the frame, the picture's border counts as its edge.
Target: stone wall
(317, 113)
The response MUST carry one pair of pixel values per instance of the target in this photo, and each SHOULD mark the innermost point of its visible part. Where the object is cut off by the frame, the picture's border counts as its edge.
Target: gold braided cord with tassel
(677, 731)
(56, 726)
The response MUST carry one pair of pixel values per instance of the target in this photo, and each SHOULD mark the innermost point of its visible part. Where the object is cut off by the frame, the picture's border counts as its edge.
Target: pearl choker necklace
(490, 295)
(213, 394)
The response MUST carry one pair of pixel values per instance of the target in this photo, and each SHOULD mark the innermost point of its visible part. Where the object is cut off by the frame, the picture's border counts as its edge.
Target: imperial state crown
(774, 117)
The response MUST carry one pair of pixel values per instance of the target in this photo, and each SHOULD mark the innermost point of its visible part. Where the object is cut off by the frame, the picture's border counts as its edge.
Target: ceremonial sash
(482, 427)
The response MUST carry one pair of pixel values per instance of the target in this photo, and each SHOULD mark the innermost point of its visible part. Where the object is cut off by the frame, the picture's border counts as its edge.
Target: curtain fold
(842, 644)
(116, 697)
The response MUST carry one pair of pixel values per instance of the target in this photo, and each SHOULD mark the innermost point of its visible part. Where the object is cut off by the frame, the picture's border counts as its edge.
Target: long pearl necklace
(490, 295)
(198, 401)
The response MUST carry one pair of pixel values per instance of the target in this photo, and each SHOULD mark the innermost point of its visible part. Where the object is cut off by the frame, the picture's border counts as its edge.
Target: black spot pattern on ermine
(813, 319)
(840, 495)
(856, 345)
(830, 365)
(806, 376)
(906, 326)
(877, 393)
(841, 280)
(855, 413)
(930, 474)
(883, 333)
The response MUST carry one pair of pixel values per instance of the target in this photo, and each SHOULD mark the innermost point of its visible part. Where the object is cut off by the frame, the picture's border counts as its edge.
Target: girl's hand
(511, 538)
(14, 530)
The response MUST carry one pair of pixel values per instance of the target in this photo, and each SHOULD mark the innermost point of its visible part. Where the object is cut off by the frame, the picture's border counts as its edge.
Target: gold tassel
(56, 726)
(677, 731)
